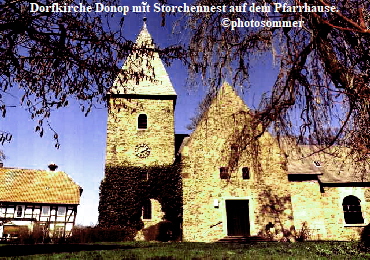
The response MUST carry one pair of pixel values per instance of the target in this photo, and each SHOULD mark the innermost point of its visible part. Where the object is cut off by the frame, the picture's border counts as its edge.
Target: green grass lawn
(148, 250)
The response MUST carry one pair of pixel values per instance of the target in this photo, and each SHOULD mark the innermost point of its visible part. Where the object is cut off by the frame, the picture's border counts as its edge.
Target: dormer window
(142, 121)
(317, 163)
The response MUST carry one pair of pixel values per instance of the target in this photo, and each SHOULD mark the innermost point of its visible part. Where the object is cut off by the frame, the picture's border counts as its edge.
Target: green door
(237, 212)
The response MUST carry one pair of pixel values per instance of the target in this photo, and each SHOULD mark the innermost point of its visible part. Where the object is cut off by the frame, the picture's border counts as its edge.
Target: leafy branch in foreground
(322, 90)
(53, 57)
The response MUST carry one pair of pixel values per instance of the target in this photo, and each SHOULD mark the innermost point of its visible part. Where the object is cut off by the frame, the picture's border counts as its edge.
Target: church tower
(141, 110)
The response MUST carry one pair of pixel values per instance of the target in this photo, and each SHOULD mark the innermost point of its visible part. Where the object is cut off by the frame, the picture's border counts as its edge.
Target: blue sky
(83, 139)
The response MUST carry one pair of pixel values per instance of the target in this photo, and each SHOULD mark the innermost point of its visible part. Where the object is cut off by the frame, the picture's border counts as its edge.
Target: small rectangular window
(245, 173)
(147, 209)
(19, 211)
(61, 211)
(224, 173)
(142, 121)
(45, 211)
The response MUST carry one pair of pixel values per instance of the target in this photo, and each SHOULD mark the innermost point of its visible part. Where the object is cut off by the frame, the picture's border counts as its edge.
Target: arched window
(352, 210)
(147, 209)
(142, 121)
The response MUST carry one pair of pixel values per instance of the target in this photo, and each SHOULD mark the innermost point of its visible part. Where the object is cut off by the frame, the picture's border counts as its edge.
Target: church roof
(37, 186)
(332, 165)
(151, 76)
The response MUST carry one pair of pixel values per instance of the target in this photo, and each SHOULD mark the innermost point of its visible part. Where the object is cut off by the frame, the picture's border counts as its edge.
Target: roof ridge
(38, 186)
(209, 101)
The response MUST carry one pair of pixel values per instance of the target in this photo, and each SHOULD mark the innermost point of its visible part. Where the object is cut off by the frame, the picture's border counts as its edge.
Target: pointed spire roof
(155, 81)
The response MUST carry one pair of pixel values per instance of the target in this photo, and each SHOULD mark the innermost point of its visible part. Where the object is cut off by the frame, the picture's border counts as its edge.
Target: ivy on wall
(124, 190)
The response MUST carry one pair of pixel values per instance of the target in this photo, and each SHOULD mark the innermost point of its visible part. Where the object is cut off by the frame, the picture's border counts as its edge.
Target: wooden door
(237, 212)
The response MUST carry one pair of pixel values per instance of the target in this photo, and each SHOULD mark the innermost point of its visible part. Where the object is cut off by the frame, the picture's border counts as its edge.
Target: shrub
(365, 238)
(80, 234)
(99, 234)
(23, 236)
(165, 231)
(301, 235)
(38, 235)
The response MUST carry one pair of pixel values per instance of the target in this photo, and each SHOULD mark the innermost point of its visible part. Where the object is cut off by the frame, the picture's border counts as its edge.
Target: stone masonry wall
(323, 212)
(123, 134)
(209, 149)
(333, 215)
(292, 207)
(307, 209)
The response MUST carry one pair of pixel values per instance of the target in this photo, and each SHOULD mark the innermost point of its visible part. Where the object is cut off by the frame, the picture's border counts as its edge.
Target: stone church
(276, 190)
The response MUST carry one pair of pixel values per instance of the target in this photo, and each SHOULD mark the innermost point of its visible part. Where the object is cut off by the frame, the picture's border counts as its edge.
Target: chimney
(52, 167)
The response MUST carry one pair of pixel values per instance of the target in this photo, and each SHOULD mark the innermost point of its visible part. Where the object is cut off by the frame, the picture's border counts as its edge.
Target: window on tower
(147, 209)
(142, 121)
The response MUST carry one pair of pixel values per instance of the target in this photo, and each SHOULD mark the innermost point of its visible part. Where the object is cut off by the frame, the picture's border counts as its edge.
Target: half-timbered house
(46, 199)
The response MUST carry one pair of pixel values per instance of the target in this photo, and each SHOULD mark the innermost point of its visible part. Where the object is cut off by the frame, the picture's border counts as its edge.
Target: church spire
(155, 80)
(144, 38)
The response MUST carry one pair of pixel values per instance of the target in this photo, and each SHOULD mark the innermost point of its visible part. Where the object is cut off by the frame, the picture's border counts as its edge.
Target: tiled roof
(298, 163)
(156, 80)
(37, 186)
(335, 164)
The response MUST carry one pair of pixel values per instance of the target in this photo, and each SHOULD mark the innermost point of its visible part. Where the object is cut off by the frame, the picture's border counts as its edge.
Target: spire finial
(144, 20)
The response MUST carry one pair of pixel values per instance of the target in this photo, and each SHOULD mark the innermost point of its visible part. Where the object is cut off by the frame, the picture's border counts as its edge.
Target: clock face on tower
(142, 150)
